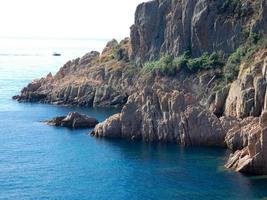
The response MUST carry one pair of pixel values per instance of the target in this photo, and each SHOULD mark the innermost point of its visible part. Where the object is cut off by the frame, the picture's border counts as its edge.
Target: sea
(43, 162)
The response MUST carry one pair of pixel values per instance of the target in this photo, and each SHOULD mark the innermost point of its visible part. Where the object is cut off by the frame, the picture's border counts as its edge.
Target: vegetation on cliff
(168, 65)
(244, 53)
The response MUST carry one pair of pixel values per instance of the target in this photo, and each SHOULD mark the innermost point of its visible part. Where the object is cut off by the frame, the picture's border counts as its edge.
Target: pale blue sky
(67, 18)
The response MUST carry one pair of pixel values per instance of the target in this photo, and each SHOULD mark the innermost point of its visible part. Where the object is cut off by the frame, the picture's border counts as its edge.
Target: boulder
(74, 120)
(110, 128)
(199, 127)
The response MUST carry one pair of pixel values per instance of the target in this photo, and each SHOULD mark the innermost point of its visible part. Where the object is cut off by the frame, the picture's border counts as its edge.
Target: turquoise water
(43, 162)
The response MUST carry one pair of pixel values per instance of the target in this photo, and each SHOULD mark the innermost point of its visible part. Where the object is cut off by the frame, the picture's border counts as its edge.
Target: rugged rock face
(111, 127)
(252, 158)
(247, 94)
(186, 108)
(156, 115)
(74, 120)
(237, 136)
(93, 80)
(176, 26)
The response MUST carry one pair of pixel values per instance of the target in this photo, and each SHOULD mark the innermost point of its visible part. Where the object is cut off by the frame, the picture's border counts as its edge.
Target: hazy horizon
(79, 19)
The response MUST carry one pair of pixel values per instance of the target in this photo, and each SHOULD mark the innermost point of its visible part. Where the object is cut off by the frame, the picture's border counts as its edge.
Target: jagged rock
(253, 157)
(229, 122)
(156, 115)
(247, 94)
(74, 120)
(202, 128)
(176, 26)
(109, 128)
(92, 80)
(87, 58)
(109, 47)
(218, 102)
(237, 136)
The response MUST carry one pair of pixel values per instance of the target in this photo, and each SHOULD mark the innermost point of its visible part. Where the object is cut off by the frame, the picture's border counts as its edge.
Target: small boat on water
(56, 54)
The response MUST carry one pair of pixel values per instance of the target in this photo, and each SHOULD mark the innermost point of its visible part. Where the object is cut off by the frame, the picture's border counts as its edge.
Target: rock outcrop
(74, 120)
(93, 80)
(252, 158)
(176, 26)
(247, 94)
(111, 127)
(156, 115)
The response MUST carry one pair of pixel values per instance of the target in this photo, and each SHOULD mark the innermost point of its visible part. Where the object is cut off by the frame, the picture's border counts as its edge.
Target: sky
(95, 19)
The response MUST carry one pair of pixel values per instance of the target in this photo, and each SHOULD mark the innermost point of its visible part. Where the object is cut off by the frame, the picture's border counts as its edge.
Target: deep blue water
(43, 162)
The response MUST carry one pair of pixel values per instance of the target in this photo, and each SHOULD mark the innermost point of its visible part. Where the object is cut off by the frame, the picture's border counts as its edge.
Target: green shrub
(254, 38)
(120, 53)
(243, 54)
(131, 70)
(204, 62)
(170, 66)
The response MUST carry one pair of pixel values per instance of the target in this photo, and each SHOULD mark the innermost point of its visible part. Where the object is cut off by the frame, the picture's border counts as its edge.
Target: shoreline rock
(252, 158)
(186, 108)
(155, 115)
(73, 120)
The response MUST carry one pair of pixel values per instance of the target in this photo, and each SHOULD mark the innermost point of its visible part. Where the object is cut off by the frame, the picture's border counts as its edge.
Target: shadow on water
(198, 171)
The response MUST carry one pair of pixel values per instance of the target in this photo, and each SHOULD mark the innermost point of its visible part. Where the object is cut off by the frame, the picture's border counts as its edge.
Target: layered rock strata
(176, 26)
(156, 115)
(252, 158)
(247, 95)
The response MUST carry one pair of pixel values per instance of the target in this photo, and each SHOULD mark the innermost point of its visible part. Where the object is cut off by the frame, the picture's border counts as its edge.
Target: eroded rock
(247, 95)
(110, 128)
(252, 158)
(74, 120)
(176, 26)
(156, 115)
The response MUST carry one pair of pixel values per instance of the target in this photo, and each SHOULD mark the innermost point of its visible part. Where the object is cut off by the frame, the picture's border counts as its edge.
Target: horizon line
(59, 38)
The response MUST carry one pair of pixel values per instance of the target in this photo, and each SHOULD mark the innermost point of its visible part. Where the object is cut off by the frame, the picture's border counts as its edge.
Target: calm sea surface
(43, 162)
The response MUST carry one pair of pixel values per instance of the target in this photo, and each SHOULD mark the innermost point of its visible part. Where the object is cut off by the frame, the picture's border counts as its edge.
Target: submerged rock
(74, 120)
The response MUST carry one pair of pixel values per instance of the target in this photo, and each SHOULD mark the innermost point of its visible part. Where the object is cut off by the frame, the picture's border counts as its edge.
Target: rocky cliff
(249, 139)
(247, 94)
(157, 115)
(95, 79)
(185, 97)
(176, 26)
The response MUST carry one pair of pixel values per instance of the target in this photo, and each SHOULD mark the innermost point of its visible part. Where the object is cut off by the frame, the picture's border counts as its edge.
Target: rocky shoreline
(185, 107)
